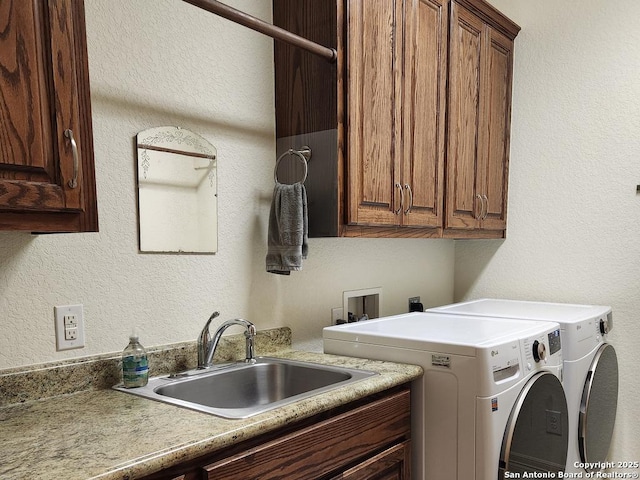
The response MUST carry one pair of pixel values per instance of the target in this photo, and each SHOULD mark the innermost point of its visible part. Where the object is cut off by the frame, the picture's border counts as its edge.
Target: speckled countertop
(108, 434)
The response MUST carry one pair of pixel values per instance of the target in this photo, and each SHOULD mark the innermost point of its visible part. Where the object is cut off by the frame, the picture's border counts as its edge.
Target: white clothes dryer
(590, 369)
(490, 400)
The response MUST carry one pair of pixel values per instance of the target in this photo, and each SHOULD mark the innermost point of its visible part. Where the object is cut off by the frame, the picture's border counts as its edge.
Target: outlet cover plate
(69, 321)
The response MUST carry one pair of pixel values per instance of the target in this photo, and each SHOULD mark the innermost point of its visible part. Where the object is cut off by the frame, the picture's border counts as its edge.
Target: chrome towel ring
(304, 155)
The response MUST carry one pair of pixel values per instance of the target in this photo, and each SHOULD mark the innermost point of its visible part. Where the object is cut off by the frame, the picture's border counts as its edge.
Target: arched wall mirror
(177, 192)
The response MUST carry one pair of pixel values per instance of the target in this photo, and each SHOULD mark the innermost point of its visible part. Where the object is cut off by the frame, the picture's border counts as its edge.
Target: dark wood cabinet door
(464, 203)
(392, 464)
(425, 77)
(497, 91)
(44, 103)
(479, 108)
(374, 106)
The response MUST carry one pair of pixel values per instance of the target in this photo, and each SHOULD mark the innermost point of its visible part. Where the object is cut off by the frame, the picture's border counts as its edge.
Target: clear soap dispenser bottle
(135, 367)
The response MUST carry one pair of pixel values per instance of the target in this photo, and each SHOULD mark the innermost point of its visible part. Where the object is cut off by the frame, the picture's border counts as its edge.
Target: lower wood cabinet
(367, 440)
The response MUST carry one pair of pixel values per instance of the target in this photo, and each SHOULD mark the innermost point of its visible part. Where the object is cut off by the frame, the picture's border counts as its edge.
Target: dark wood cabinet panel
(463, 207)
(374, 103)
(44, 101)
(481, 70)
(309, 94)
(424, 112)
(498, 127)
(316, 451)
(368, 440)
(392, 464)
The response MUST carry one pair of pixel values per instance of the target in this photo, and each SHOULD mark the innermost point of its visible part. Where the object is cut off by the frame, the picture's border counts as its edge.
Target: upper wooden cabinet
(397, 164)
(395, 130)
(479, 108)
(45, 186)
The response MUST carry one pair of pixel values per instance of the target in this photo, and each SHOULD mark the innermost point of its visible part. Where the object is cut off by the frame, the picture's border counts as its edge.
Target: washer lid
(537, 435)
(554, 312)
(423, 331)
(598, 406)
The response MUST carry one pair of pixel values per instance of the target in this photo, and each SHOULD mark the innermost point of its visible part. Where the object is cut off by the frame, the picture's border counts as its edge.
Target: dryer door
(598, 406)
(537, 437)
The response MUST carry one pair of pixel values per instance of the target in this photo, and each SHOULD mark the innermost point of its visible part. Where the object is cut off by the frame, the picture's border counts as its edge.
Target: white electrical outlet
(336, 314)
(69, 327)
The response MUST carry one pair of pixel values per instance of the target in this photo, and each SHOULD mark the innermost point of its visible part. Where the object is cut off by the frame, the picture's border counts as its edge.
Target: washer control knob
(604, 326)
(539, 351)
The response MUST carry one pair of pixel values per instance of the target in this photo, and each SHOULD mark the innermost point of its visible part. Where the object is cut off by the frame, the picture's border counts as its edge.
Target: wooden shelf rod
(261, 26)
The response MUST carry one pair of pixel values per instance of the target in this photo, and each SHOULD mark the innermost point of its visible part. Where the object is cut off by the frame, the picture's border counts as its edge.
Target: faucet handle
(204, 339)
(205, 329)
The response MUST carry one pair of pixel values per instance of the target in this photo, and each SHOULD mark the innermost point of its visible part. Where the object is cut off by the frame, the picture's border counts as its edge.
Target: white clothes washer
(590, 369)
(490, 400)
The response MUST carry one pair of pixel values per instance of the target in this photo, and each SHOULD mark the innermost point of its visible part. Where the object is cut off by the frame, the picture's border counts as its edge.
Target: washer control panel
(510, 361)
(543, 350)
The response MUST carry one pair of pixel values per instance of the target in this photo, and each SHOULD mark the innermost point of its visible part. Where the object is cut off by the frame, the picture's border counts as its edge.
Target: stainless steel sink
(241, 390)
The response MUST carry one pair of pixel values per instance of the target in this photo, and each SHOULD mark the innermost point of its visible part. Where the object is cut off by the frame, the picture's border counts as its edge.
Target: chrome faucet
(207, 346)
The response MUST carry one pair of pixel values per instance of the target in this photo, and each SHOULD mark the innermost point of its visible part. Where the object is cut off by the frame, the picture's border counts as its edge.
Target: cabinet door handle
(73, 183)
(479, 214)
(398, 186)
(408, 187)
(486, 207)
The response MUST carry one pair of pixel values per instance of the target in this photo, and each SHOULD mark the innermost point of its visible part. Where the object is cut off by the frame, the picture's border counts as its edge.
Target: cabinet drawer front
(322, 448)
(392, 464)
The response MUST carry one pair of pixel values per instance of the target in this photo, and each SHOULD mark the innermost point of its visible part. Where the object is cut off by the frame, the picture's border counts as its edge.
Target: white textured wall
(164, 62)
(573, 213)
(573, 221)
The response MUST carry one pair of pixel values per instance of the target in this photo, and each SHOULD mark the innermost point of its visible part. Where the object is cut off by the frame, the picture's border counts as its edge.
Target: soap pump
(135, 365)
